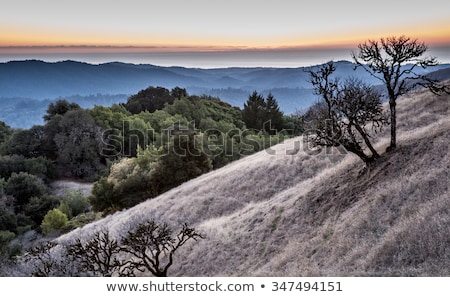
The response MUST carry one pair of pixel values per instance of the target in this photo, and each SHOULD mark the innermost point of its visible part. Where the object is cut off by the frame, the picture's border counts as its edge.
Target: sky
(200, 33)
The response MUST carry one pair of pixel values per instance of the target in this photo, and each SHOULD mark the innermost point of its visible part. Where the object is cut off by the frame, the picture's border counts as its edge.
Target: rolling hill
(293, 211)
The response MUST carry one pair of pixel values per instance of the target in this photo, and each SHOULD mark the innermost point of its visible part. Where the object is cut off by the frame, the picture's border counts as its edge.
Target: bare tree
(344, 113)
(42, 261)
(100, 256)
(153, 247)
(394, 61)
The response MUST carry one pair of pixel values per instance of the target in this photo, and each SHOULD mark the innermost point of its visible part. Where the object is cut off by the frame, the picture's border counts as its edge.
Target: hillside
(285, 212)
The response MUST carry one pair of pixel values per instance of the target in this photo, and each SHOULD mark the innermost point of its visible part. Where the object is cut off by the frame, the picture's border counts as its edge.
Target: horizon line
(207, 57)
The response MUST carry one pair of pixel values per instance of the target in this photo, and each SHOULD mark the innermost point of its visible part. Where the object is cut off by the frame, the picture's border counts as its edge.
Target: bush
(5, 238)
(77, 202)
(103, 197)
(38, 207)
(54, 220)
(8, 220)
(65, 209)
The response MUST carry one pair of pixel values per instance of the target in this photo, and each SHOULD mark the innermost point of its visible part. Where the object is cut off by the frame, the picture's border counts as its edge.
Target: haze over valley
(28, 87)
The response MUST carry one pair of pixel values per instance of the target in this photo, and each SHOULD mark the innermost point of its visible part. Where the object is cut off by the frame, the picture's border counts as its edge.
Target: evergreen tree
(253, 113)
(273, 114)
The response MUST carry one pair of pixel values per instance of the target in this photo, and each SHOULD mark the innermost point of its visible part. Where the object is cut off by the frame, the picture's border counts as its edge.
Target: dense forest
(131, 152)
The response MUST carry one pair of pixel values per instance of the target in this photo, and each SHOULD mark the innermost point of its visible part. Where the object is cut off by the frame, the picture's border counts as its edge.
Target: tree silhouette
(394, 61)
(254, 111)
(343, 114)
(100, 255)
(153, 246)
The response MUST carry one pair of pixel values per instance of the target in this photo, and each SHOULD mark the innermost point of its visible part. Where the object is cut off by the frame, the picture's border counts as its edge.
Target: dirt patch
(62, 187)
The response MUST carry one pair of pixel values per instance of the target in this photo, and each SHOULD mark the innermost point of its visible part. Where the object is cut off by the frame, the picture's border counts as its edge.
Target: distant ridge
(38, 80)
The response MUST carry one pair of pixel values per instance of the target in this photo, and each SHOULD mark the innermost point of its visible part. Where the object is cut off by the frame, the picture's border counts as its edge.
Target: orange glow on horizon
(25, 39)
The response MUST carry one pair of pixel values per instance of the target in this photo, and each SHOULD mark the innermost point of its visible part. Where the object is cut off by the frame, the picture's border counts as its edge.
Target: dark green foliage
(48, 144)
(253, 113)
(5, 132)
(27, 143)
(186, 108)
(8, 220)
(39, 166)
(150, 99)
(23, 186)
(55, 114)
(37, 208)
(103, 197)
(178, 93)
(149, 175)
(2, 186)
(108, 197)
(293, 124)
(262, 114)
(135, 189)
(273, 114)
(77, 202)
(11, 164)
(184, 159)
(59, 107)
(79, 145)
(112, 120)
(5, 238)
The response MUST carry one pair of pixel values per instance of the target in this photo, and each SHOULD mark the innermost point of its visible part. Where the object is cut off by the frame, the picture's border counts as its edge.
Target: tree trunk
(359, 152)
(375, 154)
(392, 105)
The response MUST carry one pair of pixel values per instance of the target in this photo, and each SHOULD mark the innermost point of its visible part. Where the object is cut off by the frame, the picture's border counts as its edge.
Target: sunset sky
(273, 32)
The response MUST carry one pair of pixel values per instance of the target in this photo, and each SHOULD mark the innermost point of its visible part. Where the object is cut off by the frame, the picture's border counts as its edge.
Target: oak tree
(395, 61)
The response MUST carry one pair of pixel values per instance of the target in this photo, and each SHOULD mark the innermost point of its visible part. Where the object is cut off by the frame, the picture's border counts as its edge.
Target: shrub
(8, 221)
(5, 238)
(38, 207)
(103, 197)
(77, 202)
(65, 209)
(54, 220)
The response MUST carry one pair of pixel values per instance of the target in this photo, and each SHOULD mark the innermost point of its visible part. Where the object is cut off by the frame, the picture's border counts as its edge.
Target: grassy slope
(302, 214)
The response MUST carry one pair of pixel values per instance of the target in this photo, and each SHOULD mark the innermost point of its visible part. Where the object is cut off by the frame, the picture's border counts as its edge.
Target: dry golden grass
(303, 214)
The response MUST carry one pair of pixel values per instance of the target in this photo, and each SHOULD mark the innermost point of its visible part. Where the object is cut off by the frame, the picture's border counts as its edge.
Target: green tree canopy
(23, 186)
(79, 144)
(150, 99)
